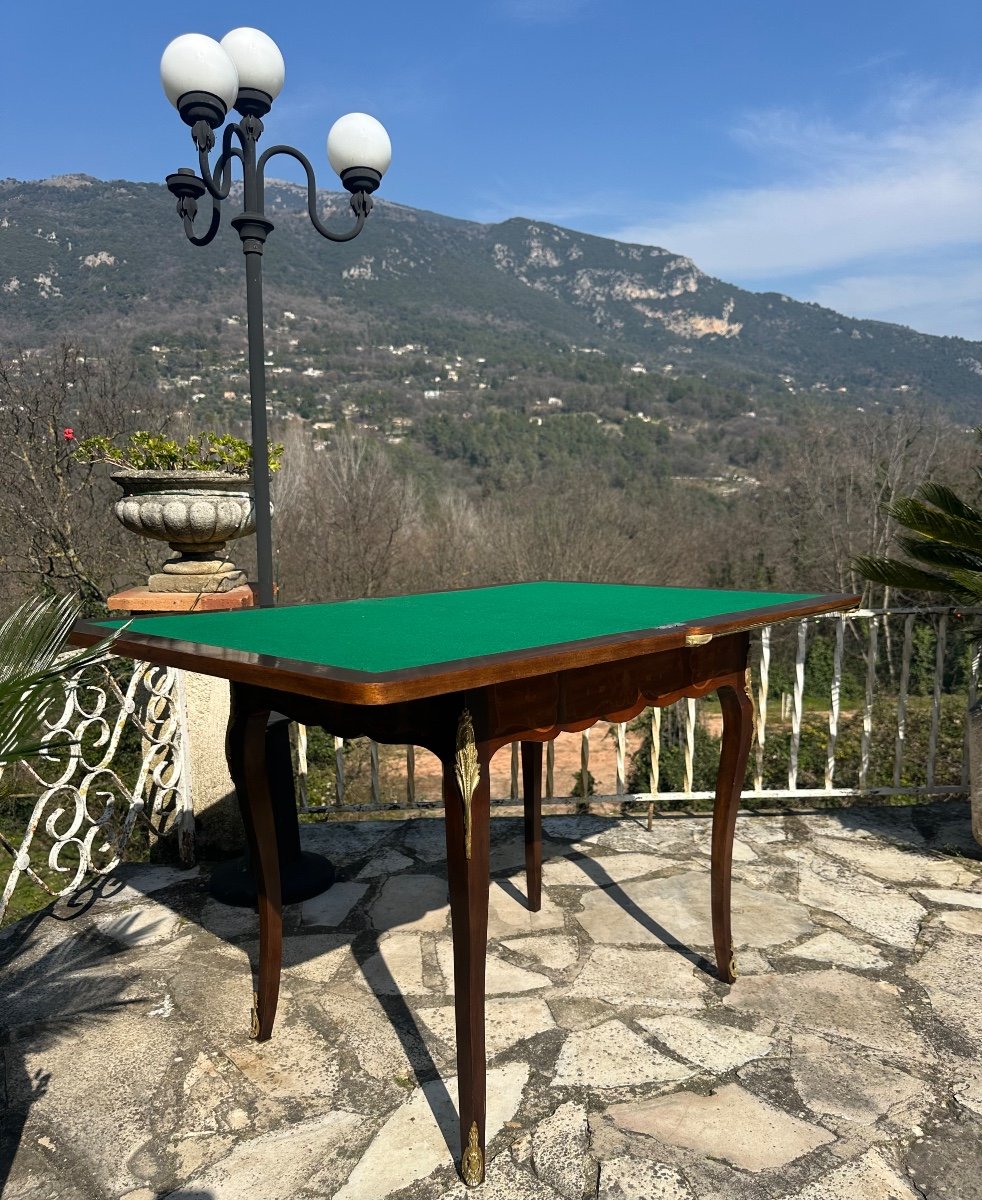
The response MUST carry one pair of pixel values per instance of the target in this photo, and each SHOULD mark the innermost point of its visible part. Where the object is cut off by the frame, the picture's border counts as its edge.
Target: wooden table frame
(464, 712)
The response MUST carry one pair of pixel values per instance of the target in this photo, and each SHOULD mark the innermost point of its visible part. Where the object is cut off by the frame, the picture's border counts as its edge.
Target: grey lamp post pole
(203, 79)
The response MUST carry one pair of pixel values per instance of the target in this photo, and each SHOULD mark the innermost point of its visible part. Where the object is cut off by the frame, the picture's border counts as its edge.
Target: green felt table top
(397, 633)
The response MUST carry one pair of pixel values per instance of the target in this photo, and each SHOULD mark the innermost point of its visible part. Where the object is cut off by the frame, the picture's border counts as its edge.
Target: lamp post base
(305, 876)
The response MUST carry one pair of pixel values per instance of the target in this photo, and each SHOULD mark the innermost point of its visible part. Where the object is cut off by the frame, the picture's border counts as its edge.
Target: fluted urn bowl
(196, 513)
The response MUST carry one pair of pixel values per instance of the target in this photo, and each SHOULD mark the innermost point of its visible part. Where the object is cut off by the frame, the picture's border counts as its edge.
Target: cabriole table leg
(737, 733)
(532, 799)
(246, 749)
(467, 803)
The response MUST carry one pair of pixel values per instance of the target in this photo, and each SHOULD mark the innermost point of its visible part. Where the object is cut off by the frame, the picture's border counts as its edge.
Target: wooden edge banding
(326, 682)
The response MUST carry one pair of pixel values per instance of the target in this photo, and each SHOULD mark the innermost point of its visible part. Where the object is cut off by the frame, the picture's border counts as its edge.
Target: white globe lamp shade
(358, 140)
(257, 59)
(195, 63)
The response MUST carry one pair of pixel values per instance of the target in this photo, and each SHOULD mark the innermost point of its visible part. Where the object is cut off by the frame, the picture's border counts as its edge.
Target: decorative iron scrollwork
(84, 805)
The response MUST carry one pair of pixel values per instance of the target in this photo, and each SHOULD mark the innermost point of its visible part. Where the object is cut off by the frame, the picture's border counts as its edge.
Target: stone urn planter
(196, 513)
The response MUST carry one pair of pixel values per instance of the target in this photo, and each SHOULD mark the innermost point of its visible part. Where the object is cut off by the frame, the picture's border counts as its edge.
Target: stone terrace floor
(842, 1065)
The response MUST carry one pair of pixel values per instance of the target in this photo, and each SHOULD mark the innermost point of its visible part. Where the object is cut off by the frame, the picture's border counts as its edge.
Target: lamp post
(203, 79)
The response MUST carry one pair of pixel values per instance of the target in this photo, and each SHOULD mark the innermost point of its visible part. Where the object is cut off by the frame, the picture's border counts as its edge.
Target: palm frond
(908, 577)
(939, 554)
(949, 502)
(941, 526)
(35, 671)
(969, 581)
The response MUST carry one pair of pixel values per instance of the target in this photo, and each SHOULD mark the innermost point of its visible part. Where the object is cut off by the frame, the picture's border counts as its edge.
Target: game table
(464, 673)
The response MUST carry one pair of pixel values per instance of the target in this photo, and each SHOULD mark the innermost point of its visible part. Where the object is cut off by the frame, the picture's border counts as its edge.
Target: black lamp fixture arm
(361, 200)
(216, 181)
(219, 181)
(189, 188)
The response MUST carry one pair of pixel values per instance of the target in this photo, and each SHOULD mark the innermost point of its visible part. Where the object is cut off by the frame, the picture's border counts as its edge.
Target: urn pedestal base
(141, 600)
(226, 580)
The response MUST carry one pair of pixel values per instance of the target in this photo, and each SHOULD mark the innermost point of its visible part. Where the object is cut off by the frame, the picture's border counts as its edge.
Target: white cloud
(877, 203)
(942, 296)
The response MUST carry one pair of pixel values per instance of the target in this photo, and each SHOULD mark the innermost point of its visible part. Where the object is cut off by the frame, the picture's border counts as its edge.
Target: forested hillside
(461, 403)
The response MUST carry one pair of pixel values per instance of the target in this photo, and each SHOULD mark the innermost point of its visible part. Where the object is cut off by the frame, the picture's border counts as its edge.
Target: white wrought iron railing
(81, 803)
(883, 721)
(861, 647)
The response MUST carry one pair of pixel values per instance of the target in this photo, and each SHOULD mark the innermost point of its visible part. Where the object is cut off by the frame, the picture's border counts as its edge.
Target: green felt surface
(400, 632)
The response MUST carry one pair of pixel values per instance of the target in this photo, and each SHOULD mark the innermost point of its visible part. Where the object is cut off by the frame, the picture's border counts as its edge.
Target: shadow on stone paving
(393, 1004)
(192, 904)
(49, 990)
(46, 993)
(364, 942)
(943, 826)
(594, 871)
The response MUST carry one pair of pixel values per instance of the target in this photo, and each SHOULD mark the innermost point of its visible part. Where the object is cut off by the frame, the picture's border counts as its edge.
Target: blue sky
(829, 151)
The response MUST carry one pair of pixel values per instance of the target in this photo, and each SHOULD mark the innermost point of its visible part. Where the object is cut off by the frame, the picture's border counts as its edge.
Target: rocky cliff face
(606, 277)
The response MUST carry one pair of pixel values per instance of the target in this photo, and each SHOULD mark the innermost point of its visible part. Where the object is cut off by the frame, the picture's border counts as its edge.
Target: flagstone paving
(842, 1064)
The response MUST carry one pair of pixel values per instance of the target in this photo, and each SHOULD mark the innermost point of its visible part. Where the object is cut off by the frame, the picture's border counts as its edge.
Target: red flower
(69, 435)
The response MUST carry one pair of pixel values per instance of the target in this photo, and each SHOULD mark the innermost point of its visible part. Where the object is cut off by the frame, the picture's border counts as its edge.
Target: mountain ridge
(80, 255)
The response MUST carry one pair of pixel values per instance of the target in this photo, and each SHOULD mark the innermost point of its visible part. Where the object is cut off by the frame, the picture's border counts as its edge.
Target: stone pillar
(218, 827)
